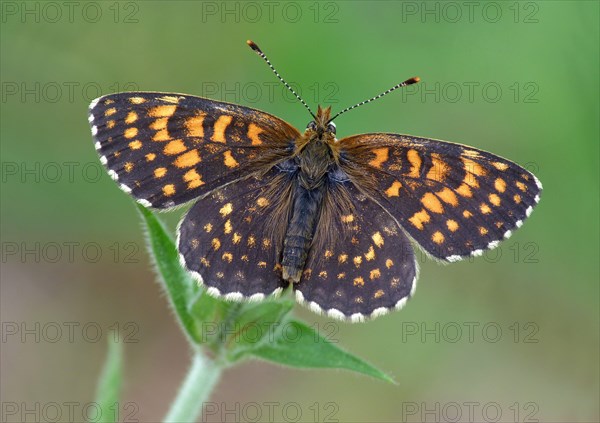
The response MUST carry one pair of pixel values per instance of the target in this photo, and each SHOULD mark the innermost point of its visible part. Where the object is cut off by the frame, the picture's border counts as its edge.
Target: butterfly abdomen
(299, 235)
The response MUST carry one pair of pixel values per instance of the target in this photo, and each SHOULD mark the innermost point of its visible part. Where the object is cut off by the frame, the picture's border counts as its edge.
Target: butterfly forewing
(166, 149)
(453, 200)
(366, 271)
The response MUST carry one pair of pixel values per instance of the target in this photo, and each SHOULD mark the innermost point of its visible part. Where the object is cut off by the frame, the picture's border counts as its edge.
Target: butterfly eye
(312, 125)
(331, 127)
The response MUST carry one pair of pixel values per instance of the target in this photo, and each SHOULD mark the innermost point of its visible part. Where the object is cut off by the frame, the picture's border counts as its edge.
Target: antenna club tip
(253, 46)
(413, 80)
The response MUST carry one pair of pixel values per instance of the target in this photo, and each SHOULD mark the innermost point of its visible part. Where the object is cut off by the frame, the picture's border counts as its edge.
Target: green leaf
(254, 325)
(205, 307)
(108, 391)
(298, 345)
(174, 279)
(208, 312)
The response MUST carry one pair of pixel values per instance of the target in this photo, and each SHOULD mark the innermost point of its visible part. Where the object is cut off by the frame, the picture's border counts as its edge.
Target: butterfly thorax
(314, 162)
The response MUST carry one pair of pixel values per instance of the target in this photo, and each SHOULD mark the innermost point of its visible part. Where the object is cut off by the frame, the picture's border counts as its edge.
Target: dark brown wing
(453, 200)
(230, 240)
(364, 272)
(166, 149)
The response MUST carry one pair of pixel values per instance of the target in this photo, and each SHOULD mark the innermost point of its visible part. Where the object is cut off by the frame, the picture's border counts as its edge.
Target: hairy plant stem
(195, 390)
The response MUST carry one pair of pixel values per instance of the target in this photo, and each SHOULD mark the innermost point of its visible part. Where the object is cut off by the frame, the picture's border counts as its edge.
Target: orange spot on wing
(374, 274)
(348, 218)
(226, 209)
(150, 157)
(228, 257)
(485, 209)
(381, 156)
(174, 147)
(521, 186)
(137, 100)
(162, 111)
(377, 239)
(170, 99)
(431, 202)
(194, 125)
(494, 199)
(135, 145)
(500, 185)
(448, 196)
(131, 117)
(162, 135)
(193, 179)
(471, 153)
(415, 162)
(253, 131)
(437, 237)
(159, 124)
(500, 165)
(517, 198)
(229, 161)
(439, 169)
(160, 172)
(168, 190)
(473, 167)
(483, 230)
(370, 255)
(219, 128)
(419, 218)
(359, 281)
(262, 202)
(188, 159)
(131, 132)
(471, 180)
(452, 225)
(110, 112)
(464, 190)
(394, 189)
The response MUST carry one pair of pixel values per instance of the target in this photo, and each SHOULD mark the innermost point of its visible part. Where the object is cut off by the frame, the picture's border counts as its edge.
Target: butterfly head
(320, 128)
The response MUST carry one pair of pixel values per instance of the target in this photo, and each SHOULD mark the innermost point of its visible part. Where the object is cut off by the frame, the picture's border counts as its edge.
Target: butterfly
(335, 218)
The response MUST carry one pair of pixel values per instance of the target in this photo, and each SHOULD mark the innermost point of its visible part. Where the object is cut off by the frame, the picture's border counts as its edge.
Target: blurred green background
(515, 332)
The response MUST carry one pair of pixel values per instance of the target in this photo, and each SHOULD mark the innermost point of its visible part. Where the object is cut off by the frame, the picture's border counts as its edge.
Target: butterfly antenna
(258, 51)
(402, 84)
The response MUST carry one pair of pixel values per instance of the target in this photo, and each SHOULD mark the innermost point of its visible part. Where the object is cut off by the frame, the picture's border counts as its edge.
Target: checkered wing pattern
(366, 271)
(230, 240)
(166, 149)
(454, 201)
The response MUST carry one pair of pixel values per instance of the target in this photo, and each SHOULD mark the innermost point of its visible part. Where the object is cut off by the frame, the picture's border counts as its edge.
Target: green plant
(222, 334)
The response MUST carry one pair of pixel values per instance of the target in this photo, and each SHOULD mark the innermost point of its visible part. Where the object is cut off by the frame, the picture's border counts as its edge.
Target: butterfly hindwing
(367, 270)
(453, 200)
(166, 149)
(231, 239)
